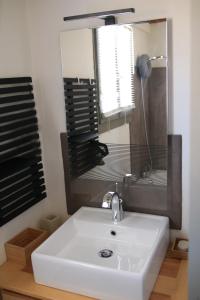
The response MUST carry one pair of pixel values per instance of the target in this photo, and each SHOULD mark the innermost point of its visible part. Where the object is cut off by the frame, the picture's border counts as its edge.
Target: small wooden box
(50, 223)
(177, 253)
(19, 248)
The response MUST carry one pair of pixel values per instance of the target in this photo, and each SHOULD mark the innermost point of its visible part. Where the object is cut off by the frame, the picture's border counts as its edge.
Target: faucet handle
(116, 187)
(127, 179)
(107, 200)
(121, 208)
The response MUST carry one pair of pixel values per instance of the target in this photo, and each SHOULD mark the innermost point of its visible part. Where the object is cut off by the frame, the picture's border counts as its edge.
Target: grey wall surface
(156, 119)
(194, 236)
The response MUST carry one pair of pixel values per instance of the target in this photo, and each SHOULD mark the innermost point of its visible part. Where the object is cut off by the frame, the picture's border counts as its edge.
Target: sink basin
(90, 255)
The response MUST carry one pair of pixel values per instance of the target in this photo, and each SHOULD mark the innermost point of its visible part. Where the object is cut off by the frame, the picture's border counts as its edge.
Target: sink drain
(105, 253)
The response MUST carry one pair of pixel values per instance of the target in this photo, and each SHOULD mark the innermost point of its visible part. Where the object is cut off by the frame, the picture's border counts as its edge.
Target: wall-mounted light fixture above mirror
(109, 17)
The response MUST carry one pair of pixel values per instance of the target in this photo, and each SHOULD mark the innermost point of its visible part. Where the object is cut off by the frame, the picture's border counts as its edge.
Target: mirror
(122, 71)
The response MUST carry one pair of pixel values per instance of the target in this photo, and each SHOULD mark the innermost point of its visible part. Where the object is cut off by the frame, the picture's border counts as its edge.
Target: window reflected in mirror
(115, 65)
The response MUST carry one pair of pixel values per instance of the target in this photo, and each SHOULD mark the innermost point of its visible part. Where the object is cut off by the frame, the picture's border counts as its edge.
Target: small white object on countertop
(183, 245)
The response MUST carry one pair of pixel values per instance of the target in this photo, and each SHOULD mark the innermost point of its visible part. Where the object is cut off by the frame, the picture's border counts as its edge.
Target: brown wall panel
(152, 199)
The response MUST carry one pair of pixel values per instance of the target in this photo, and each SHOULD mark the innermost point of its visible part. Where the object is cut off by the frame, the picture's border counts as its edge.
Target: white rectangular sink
(71, 259)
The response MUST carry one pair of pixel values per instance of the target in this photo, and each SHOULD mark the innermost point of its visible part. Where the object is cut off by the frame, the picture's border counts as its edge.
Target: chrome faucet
(112, 200)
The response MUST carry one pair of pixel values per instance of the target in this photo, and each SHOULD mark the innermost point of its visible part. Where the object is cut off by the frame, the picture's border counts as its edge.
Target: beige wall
(194, 157)
(77, 53)
(158, 44)
(141, 39)
(14, 47)
(151, 39)
(15, 60)
(119, 135)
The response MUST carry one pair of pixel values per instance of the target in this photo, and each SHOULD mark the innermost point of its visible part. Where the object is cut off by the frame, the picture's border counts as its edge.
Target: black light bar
(101, 15)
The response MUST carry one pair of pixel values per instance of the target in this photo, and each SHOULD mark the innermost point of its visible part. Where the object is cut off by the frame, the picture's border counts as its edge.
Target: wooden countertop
(171, 283)
(13, 278)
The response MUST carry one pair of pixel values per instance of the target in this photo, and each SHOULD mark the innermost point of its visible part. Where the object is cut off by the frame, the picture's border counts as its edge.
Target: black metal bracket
(110, 20)
(100, 150)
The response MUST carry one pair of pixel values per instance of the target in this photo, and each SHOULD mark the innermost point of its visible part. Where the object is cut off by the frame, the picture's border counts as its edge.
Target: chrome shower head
(144, 65)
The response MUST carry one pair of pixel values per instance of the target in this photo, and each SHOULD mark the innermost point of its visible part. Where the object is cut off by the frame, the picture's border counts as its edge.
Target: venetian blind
(115, 55)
